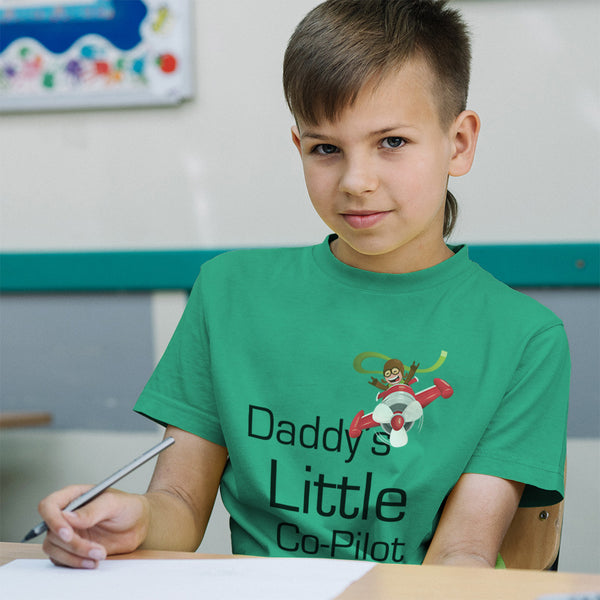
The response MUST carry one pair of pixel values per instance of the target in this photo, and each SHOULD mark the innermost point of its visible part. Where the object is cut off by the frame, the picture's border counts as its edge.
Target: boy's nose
(358, 178)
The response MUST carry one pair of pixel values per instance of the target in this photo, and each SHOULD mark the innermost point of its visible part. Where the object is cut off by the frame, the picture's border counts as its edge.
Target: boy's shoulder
(512, 303)
(249, 266)
(256, 257)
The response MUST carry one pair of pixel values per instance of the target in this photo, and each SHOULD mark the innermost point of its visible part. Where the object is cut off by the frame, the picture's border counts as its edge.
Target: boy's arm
(172, 515)
(474, 521)
(182, 491)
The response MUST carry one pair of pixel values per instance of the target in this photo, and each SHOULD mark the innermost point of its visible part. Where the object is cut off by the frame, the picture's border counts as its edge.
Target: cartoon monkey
(393, 373)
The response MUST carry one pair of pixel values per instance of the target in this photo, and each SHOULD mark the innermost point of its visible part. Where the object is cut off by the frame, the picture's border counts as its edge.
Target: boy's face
(377, 175)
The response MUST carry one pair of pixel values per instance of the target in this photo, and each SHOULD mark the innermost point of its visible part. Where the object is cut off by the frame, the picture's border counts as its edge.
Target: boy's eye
(325, 149)
(393, 142)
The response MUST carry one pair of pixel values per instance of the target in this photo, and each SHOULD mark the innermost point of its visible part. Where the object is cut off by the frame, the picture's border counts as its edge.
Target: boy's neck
(403, 260)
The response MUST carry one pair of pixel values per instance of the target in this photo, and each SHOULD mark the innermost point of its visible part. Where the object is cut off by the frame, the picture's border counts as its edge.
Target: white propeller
(412, 412)
(398, 438)
(382, 414)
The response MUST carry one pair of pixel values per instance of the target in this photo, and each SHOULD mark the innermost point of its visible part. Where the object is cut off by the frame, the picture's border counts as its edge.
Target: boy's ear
(296, 138)
(464, 131)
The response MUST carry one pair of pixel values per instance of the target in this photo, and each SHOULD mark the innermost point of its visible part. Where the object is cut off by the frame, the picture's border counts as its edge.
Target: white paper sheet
(222, 579)
(574, 596)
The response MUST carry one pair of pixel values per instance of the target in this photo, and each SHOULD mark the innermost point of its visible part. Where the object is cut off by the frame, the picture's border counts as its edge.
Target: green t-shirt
(301, 366)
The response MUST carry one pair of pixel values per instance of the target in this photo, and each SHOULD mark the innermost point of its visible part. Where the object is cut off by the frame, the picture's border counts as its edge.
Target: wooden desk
(408, 582)
(24, 419)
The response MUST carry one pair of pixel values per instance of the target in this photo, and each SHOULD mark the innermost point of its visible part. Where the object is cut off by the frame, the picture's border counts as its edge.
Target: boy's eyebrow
(317, 135)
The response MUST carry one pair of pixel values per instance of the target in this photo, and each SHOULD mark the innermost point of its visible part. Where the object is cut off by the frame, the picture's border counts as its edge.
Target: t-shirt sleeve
(526, 438)
(180, 391)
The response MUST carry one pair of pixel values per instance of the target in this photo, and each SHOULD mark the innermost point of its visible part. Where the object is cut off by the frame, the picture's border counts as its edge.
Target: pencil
(103, 485)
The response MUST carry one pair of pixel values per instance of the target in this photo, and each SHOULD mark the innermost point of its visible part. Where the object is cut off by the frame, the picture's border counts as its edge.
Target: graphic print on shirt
(399, 406)
(350, 510)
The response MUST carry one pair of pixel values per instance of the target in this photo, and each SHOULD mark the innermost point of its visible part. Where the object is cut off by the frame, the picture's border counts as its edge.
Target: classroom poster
(65, 54)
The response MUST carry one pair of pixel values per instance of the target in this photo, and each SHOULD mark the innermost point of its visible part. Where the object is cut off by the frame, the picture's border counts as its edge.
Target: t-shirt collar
(454, 267)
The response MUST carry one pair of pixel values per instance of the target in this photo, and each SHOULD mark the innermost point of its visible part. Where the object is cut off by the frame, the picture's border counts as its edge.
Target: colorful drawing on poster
(94, 53)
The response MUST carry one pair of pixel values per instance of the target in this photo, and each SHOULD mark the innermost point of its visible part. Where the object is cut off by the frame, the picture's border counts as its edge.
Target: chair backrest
(533, 538)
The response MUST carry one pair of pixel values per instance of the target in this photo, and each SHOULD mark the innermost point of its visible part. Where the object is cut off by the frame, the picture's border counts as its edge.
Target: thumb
(105, 508)
(83, 518)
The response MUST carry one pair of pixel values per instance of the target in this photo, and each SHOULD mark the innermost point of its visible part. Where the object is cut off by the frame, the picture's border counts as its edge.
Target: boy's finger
(51, 507)
(100, 509)
(71, 556)
(74, 545)
(71, 541)
(83, 518)
(61, 498)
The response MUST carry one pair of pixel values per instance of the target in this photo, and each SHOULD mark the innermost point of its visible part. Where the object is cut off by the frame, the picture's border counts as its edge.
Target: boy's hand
(172, 515)
(113, 523)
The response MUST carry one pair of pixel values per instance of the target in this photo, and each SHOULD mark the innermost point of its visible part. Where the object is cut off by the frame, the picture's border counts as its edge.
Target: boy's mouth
(363, 220)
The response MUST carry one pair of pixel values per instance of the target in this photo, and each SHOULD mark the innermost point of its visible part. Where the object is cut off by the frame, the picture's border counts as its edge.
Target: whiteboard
(220, 171)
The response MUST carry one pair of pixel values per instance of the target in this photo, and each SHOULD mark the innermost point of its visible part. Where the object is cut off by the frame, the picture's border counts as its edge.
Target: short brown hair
(341, 45)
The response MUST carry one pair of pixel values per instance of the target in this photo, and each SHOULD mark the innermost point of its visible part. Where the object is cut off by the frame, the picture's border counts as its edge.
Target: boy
(268, 382)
